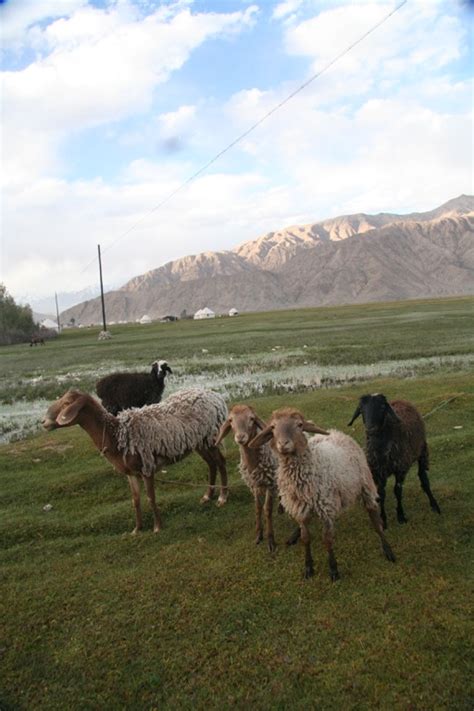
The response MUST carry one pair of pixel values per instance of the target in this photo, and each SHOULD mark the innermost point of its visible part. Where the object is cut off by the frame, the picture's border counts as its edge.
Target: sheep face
(286, 430)
(374, 409)
(160, 366)
(244, 423)
(65, 411)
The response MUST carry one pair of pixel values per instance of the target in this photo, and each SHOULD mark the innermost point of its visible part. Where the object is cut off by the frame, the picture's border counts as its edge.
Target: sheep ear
(70, 413)
(260, 423)
(224, 430)
(262, 437)
(356, 414)
(309, 426)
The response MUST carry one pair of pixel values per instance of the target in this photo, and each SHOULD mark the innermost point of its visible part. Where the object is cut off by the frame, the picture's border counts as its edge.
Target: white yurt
(145, 319)
(49, 324)
(204, 313)
(233, 312)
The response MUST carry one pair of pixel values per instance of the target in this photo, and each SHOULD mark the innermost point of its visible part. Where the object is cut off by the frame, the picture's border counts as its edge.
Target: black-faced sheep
(395, 439)
(120, 391)
(257, 466)
(324, 475)
(140, 441)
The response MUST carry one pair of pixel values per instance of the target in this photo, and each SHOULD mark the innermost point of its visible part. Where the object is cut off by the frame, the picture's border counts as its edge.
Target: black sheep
(121, 391)
(395, 439)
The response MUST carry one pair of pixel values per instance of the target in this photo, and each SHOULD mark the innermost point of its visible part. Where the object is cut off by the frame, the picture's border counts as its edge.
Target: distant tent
(233, 312)
(204, 313)
(49, 324)
(145, 319)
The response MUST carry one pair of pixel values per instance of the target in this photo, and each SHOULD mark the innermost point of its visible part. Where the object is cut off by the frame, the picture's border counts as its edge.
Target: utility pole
(57, 312)
(102, 292)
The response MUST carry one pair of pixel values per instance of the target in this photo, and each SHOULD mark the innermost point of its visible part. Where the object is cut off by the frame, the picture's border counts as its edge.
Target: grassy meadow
(198, 616)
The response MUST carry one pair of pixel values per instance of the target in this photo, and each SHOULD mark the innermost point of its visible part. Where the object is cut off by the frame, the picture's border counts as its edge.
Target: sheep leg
(398, 491)
(295, 537)
(206, 455)
(377, 523)
(220, 461)
(134, 483)
(269, 521)
(150, 492)
(258, 518)
(328, 539)
(306, 540)
(381, 493)
(425, 482)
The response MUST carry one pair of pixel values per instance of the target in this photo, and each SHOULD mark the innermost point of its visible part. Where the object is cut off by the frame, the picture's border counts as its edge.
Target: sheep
(324, 475)
(120, 391)
(395, 439)
(257, 466)
(140, 441)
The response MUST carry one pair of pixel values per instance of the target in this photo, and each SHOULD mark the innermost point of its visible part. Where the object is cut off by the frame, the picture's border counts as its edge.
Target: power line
(251, 129)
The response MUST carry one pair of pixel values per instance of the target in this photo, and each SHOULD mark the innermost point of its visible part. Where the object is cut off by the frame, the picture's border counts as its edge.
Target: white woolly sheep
(121, 391)
(257, 466)
(323, 475)
(140, 441)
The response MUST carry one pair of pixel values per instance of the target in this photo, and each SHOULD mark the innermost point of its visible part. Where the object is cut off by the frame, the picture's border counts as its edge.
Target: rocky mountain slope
(347, 259)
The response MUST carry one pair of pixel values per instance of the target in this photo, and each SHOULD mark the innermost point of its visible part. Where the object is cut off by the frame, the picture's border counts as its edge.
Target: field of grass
(198, 616)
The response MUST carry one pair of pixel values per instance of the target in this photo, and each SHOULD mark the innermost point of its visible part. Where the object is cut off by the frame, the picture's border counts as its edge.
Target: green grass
(198, 616)
(347, 335)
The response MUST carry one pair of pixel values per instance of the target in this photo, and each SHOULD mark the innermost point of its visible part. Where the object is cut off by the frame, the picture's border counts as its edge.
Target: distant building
(233, 312)
(204, 313)
(145, 319)
(49, 324)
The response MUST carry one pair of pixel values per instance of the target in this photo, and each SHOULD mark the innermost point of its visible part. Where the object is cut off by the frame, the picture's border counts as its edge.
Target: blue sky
(109, 106)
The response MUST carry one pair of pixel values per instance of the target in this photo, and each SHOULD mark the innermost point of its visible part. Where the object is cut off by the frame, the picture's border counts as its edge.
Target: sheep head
(374, 410)
(160, 366)
(244, 423)
(65, 411)
(286, 429)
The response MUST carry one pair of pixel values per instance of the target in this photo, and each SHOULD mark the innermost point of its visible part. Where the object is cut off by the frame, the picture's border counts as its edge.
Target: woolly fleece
(167, 432)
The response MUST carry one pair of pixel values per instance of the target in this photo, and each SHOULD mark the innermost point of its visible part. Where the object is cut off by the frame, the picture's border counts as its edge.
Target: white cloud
(16, 18)
(418, 34)
(102, 66)
(283, 9)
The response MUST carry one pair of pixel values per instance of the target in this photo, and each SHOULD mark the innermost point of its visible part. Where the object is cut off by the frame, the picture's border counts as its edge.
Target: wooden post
(102, 291)
(57, 312)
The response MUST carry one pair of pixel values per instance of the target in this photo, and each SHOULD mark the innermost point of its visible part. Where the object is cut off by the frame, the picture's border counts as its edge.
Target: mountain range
(347, 259)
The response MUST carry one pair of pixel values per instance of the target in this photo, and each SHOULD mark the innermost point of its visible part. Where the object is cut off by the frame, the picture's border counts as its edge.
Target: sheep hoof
(156, 529)
(272, 545)
(280, 509)
(205, 499)
(308, 572)
(402, 518)
(135, 531)
(259, 539)
(221, 501)
(389, 554)
(335, 575)
(435, 508)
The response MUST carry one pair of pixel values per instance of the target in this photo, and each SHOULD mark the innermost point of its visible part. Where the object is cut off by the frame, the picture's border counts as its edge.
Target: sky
(110, 106)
